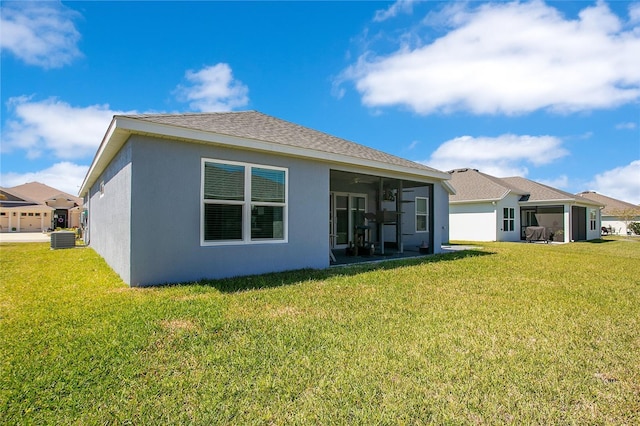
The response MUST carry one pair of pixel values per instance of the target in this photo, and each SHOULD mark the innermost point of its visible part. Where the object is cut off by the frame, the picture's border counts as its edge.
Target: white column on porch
(567, 223)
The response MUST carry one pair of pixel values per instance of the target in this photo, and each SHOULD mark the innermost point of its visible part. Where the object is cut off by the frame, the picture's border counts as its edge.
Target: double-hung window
(243, 203)
(422, 214)
(508, 219)
(593, 216)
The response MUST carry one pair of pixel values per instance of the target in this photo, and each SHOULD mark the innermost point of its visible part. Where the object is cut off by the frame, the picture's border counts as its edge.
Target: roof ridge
(607, 200)
(183, 114)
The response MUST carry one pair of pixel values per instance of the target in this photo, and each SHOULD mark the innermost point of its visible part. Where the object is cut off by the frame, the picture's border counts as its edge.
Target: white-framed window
(508, 219)
(243, 203)
(422, 214)
(592, 219)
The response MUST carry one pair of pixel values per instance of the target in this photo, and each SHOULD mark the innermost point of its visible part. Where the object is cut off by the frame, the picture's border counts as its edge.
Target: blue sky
(545, 90)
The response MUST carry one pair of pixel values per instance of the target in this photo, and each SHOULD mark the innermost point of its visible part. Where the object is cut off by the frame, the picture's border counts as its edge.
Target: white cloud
(505, 155)
(634, 13)
(39, 33)
(626, 126)
(622, 183)
(213, 89)
(400, 6)
(509, 58)
(55, 128)
(64, 176)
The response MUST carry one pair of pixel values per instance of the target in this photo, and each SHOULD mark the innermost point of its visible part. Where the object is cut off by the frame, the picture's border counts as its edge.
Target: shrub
(634, 227)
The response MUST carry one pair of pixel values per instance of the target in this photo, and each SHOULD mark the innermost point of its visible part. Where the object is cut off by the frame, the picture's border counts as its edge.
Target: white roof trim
(448, 187)
(478, 201)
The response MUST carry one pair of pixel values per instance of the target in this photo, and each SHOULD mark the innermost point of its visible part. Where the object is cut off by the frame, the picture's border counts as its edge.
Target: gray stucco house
(184, 197)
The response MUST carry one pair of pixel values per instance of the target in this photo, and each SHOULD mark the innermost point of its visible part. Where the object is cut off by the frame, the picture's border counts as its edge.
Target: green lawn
(507, 333)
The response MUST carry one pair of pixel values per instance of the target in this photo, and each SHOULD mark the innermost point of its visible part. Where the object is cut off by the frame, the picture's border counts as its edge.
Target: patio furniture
(536, 233)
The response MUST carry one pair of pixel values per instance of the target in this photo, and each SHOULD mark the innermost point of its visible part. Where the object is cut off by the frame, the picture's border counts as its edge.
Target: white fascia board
(487, 200)
(122, 127)
(544, 202)
(448, 187)
(555, 202)
(589, 203)
(93, 173)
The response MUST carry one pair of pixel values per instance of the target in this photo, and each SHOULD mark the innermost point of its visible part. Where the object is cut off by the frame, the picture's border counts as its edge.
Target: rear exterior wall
(166, 219)
(473, 222)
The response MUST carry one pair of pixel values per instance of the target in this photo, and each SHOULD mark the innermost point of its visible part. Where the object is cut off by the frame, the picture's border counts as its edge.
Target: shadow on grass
(278, 279)
(600, 241)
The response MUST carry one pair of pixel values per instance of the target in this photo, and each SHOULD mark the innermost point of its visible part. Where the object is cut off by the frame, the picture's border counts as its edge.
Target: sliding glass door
(347, 212)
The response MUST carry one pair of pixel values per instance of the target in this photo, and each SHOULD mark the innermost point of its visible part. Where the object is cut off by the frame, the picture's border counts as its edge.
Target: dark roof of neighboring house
(249, 130)
(611, 205)
(472, 185)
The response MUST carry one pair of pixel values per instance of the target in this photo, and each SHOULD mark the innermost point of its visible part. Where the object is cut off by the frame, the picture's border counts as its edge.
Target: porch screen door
(342, 220)
(349, 211)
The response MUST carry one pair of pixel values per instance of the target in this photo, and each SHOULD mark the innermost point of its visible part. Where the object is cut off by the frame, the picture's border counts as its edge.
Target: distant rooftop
(473, 185)
(611, 205)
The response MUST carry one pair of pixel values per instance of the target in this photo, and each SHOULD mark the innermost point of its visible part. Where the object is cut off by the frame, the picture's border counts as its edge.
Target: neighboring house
(616, 214)
(183, 197)
(36, 207)
(487, 208)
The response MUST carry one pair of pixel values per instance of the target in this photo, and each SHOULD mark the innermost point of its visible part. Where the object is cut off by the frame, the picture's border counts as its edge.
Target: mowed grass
(507, 333)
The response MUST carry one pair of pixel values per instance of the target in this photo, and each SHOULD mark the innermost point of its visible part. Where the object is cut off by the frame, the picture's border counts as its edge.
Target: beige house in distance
(36, 207)
(615, 212)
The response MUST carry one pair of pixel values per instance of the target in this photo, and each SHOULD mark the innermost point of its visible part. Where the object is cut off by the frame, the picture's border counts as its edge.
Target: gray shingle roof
(472, 185)
(538, 191)
(258, 126)
(611, 205)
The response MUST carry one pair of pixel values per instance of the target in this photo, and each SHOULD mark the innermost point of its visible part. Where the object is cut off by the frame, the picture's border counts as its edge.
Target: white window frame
(246, 204)
(509, 219)
(593, 219)
(426, 215)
